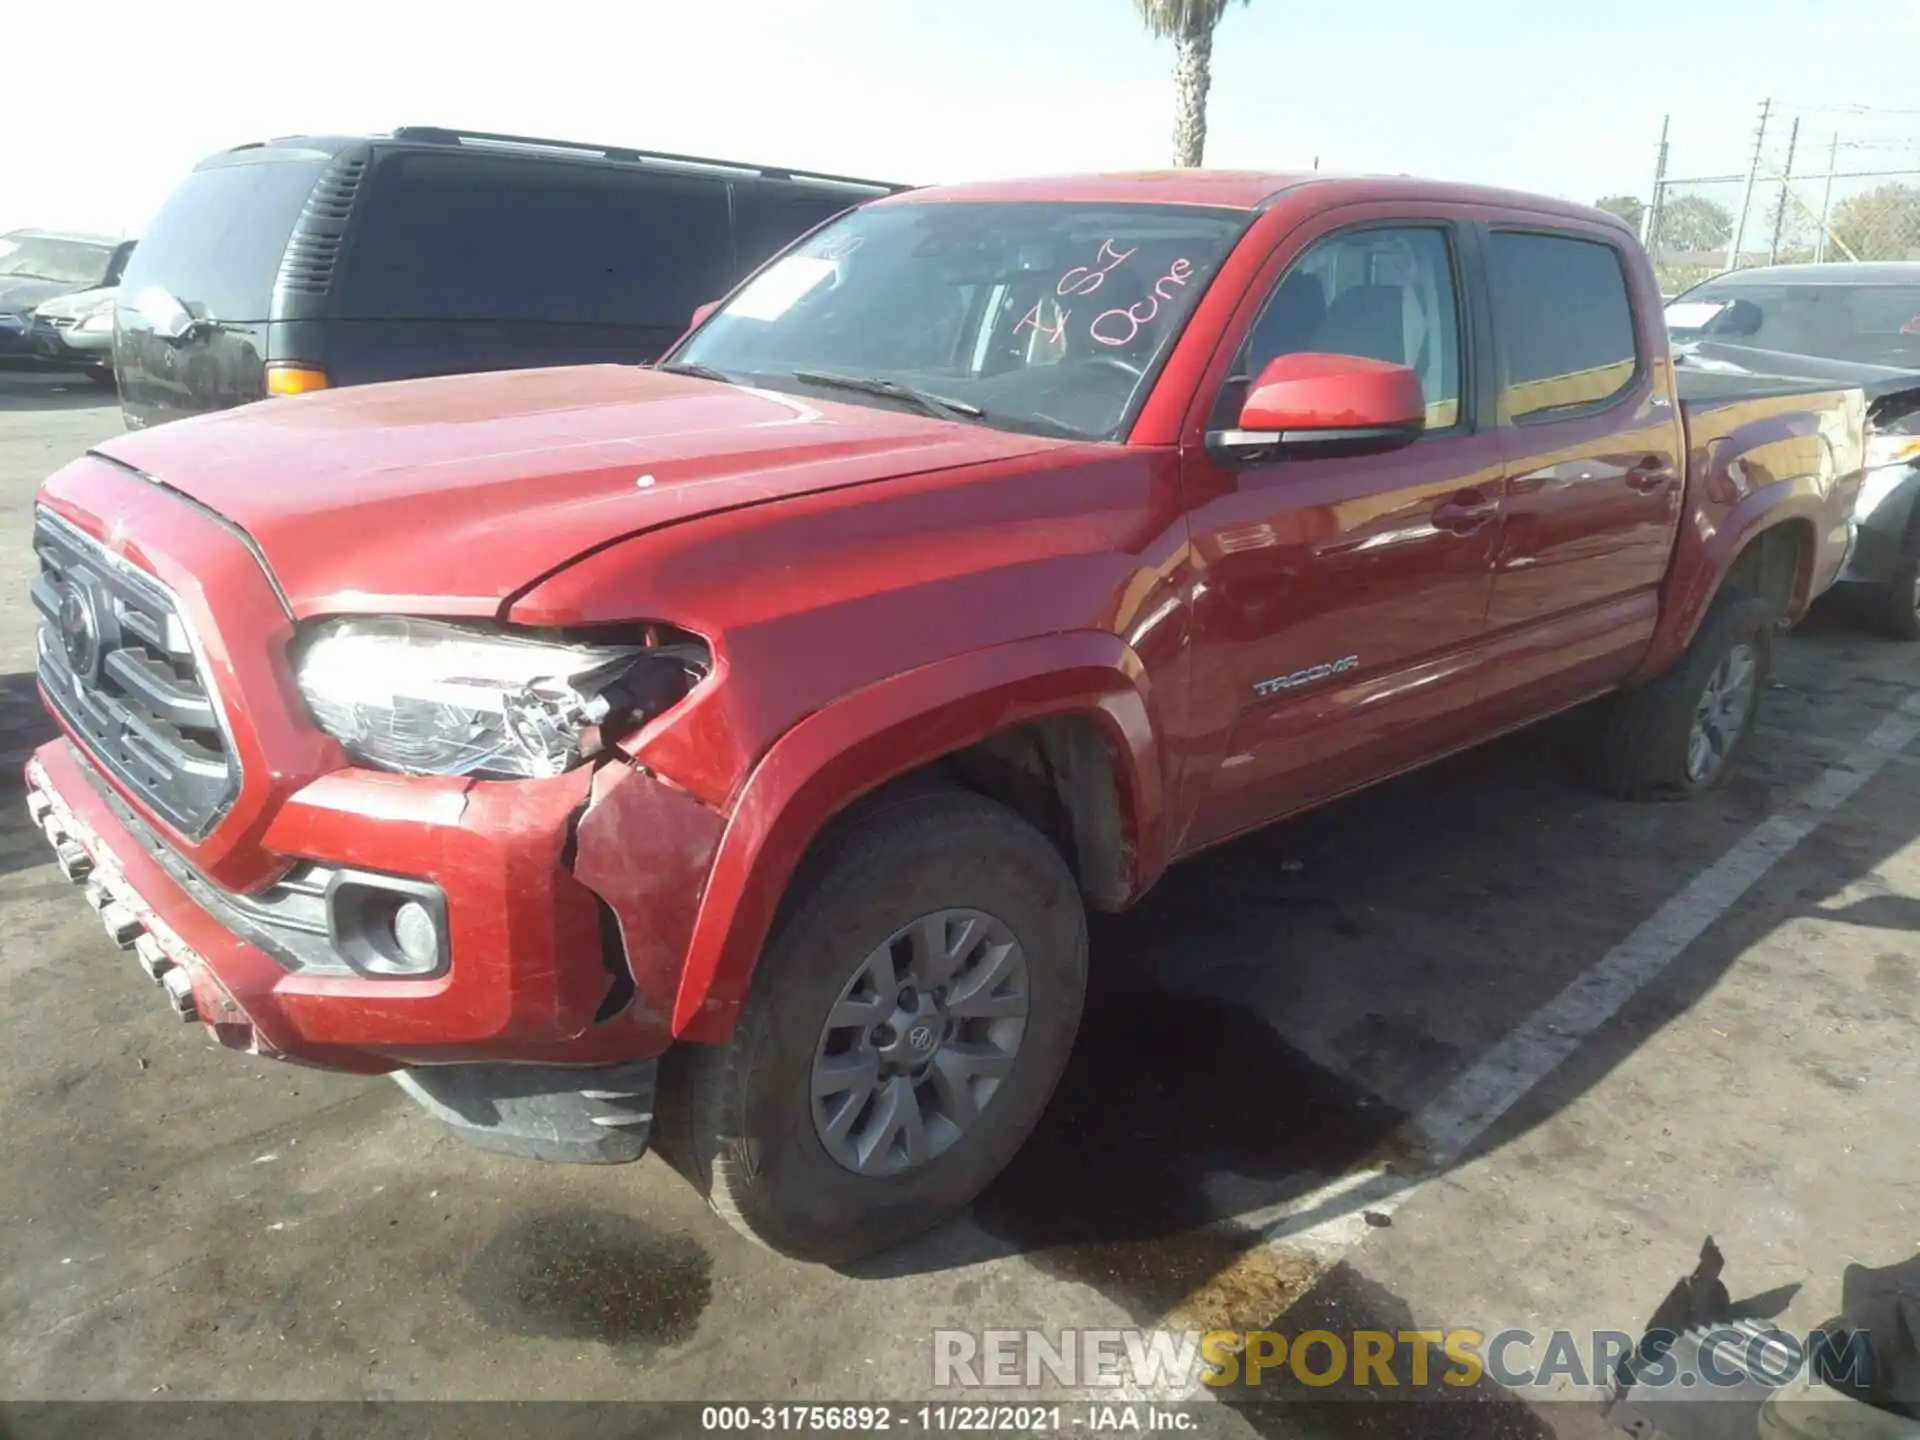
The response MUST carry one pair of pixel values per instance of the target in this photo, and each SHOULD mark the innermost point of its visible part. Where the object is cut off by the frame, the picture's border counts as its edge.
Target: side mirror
(701, 313)
(1341, 404)
(165, 316)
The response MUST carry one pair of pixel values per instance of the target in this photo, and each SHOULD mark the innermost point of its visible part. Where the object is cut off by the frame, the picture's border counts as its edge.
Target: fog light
(416, 935)
(386, 925)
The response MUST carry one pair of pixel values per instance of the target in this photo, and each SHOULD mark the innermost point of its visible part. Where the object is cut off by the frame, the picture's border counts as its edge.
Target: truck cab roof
(1250, 190)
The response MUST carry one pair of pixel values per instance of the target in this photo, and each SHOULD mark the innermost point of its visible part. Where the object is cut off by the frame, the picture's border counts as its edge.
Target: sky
(1559, 96)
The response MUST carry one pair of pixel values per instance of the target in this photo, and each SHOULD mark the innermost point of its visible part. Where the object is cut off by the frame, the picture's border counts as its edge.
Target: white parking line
(1328, 1222)
(1304, 1237)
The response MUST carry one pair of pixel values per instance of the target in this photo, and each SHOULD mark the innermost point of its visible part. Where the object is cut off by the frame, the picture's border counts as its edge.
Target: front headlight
(428, 698)
(100, 322)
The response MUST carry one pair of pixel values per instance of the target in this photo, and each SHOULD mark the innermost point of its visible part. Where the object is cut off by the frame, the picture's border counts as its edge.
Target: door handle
(1650, 476)
(1465, 512)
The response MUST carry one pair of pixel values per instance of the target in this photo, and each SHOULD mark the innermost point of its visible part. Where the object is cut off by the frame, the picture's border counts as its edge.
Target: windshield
(67, 262)
(1868, 324)
(1042, 317)
(217, 242)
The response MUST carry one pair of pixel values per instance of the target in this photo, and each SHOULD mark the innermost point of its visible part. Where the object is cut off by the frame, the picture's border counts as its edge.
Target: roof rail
(439, 135)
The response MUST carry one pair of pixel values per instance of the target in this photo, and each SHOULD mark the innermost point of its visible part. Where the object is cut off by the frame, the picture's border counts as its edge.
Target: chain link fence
(1700, 228)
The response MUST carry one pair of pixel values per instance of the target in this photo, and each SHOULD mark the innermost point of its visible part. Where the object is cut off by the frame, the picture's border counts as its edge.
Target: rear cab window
(465, 235)
(1563, 324)
(215, 245)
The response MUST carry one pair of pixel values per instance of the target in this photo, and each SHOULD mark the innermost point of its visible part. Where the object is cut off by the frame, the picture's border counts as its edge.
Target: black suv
(310, 262)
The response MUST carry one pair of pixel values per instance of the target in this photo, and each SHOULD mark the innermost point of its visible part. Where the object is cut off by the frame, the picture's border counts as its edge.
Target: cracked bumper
(530, 975)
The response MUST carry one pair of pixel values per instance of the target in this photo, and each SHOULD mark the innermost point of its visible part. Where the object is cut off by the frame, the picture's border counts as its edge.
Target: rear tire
(1892, 608)
(1681, 734)
(832, 1174)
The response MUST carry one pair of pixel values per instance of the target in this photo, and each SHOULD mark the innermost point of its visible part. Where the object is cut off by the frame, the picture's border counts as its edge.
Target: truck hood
(448, 496)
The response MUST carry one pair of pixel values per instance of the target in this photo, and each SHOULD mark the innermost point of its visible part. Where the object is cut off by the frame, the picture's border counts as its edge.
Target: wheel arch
(1077, 702)
(1769, 542)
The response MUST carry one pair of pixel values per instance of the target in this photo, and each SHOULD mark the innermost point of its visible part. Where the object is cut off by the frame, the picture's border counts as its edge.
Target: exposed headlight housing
(428, 698)
(100, 322)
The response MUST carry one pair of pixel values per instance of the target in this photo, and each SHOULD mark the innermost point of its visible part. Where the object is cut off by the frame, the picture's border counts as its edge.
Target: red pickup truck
(752, 732)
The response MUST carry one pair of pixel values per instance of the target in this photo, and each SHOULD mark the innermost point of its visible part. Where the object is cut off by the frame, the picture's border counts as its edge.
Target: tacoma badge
(1306, 676)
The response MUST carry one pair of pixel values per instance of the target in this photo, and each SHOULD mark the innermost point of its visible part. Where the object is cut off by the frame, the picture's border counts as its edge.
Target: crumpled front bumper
(587, 1113)
(531, 972)
(178, 962)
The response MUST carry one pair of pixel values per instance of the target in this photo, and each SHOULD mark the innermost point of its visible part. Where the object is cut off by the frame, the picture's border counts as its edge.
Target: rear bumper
(531, 979)
(1884, 519)
(1876, 555)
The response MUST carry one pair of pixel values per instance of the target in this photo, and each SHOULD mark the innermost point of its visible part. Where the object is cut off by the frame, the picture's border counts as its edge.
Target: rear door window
(465, 236)
(1563, 323)
(215, 245)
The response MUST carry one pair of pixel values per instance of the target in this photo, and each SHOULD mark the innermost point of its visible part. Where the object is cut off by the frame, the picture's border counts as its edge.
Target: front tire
(1681, 734)
(910, 1017)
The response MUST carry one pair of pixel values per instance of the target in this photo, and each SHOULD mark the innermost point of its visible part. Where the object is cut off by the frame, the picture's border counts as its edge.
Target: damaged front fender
(645, 847)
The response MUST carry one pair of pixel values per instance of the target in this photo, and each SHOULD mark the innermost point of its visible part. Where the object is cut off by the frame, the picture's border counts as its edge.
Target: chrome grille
(117, 661)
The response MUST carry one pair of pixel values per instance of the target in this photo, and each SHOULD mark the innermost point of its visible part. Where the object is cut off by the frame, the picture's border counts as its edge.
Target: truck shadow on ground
(1396, 936)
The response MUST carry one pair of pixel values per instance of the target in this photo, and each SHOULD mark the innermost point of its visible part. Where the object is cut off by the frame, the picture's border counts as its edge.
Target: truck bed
(1715, 371)
(1768, 429)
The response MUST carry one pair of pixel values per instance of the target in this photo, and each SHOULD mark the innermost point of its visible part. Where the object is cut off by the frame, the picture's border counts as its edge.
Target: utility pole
(1786, 179)
(1659, 188)
(1753, 174)
(1826, 201)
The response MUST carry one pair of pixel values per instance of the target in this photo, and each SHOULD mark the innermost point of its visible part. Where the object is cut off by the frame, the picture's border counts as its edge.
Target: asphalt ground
(1473, 1050)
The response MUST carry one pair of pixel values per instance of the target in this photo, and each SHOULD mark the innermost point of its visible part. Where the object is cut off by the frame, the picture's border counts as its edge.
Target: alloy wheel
(922, 1035)
(1721, 716)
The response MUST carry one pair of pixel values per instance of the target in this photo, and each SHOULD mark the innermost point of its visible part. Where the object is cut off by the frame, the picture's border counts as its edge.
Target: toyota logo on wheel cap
(79, 629)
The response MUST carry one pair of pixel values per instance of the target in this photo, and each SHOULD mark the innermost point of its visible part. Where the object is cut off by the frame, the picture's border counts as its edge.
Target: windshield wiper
(695, 369)
(931, 404)
(1035, 423)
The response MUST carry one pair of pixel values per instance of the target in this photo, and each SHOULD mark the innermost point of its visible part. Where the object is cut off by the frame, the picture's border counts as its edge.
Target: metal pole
(1786, 179)
(1826, 200)
(1753, 174)
(1652, 223)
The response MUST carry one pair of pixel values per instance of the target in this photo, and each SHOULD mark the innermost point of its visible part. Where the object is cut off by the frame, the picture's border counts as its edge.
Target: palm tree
(1190, 24)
